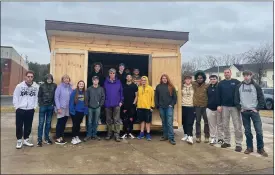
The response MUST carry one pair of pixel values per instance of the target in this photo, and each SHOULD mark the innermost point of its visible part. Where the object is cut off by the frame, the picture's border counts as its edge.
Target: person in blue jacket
(78, 109)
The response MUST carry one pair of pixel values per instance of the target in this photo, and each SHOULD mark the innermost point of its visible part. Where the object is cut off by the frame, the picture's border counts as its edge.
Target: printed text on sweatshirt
(25, 97)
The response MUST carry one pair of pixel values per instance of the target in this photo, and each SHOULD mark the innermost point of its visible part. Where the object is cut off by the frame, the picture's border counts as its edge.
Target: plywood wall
(71, 64)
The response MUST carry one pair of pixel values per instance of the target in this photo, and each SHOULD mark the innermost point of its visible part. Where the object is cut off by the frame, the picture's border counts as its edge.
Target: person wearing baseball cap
(249, 99)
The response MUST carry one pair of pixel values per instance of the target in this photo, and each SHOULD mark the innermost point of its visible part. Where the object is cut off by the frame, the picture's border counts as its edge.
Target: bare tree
(260, 56)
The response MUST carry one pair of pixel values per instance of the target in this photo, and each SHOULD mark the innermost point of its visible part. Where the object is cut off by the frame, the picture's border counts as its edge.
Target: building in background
(13, 69)
(237, 72)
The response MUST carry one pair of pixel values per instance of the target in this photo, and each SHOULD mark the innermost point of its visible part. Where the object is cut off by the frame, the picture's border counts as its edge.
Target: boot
(109, 132)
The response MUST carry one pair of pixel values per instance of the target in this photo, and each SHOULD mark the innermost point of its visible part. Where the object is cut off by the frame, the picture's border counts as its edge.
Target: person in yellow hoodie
(145, 106)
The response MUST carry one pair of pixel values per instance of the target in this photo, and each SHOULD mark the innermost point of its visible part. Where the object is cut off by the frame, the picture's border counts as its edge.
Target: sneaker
(262, 152)
(60, 141)
(198, 140)
(148, 137)
(190, 140)
(141, 135)
(87, 139)
(74, 141)
(248, 150)
(238, 149)
(96, 138)
(77, 139)
(173, 142)
(27, 143)
(124, 136)
(117, 139)
(184, 137)
(131, 136)
(19, 144)
(213, 141)
(39, 144)
(206, 140)
(163, 138)
(108, 137)
(49, 142)
(220, 141)
(63, 140)
(225, 145)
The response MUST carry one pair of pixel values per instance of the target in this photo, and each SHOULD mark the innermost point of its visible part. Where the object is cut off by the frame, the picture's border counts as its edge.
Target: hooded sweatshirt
(113, 92)
(80, 105)
(187, 95)
(163, 98)
(249, 96)
(95, 97)
(25, 96)
(46, 92)
(62, 96)
(145, 96)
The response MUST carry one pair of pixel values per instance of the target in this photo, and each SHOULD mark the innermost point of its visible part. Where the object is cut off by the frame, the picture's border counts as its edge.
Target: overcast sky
(215, 28)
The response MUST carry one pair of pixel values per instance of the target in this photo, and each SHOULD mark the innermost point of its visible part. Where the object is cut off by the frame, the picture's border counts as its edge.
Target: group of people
(123, 95)
(216, 102)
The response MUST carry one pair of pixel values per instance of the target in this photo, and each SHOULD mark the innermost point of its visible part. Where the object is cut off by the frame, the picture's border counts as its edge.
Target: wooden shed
(75, 47)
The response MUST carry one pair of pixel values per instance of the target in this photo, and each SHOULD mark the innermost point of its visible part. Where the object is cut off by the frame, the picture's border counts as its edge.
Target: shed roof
(51, 25)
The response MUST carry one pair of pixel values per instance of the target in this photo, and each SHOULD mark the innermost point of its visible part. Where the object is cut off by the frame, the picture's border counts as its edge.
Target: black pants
(77, 119)
(60, 126)
(24, 118)
(201, 112)
(188, 118)
(127, 123)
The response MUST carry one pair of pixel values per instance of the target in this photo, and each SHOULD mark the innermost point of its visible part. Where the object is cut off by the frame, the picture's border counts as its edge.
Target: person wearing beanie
(188, 110)
(226, 94)
(121, 75)
(249, 99)
(46, 108)
(95, 97)
(214, 117)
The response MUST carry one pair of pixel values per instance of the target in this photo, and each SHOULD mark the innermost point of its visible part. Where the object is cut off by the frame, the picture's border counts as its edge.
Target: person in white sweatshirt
(25, 100)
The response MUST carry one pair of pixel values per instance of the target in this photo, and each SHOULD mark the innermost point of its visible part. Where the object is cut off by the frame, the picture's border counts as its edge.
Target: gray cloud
(215, 28)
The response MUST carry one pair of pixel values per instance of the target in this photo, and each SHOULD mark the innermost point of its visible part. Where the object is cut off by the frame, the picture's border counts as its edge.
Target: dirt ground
(131, 156)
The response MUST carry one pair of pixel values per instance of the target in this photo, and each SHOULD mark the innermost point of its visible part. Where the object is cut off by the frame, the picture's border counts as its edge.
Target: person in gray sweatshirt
(249, 99)
(95, 97)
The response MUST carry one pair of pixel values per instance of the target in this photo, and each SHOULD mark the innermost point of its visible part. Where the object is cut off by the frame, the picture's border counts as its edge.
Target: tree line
(261, 56)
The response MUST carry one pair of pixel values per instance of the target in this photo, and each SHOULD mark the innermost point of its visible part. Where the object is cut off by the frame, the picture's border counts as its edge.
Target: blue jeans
(167, 117)
(93, 118)
(45, 113)
(256, 119)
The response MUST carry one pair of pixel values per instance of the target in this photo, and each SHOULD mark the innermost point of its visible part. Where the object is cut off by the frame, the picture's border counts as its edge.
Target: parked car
(269, 98)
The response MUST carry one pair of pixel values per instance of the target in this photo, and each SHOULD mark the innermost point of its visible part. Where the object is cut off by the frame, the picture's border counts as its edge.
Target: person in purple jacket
(113, 102)
(62, 99)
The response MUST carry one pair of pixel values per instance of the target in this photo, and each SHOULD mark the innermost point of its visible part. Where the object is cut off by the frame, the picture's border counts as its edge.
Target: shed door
(169, 65)
(72, 63)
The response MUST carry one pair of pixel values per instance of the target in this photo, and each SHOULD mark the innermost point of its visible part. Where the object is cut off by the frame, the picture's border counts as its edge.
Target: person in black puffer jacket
(46, 104)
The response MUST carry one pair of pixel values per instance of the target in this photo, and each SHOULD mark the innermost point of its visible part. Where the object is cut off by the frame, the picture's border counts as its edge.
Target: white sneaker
(184, 137)
(124, 136)
(190, 140)
(19, 144)
(28, 143)
(131, 135)
(77, 139)
(74, 141)
(213, 141)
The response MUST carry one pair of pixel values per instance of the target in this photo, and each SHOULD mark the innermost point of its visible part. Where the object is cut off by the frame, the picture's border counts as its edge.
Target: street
(6, 100)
